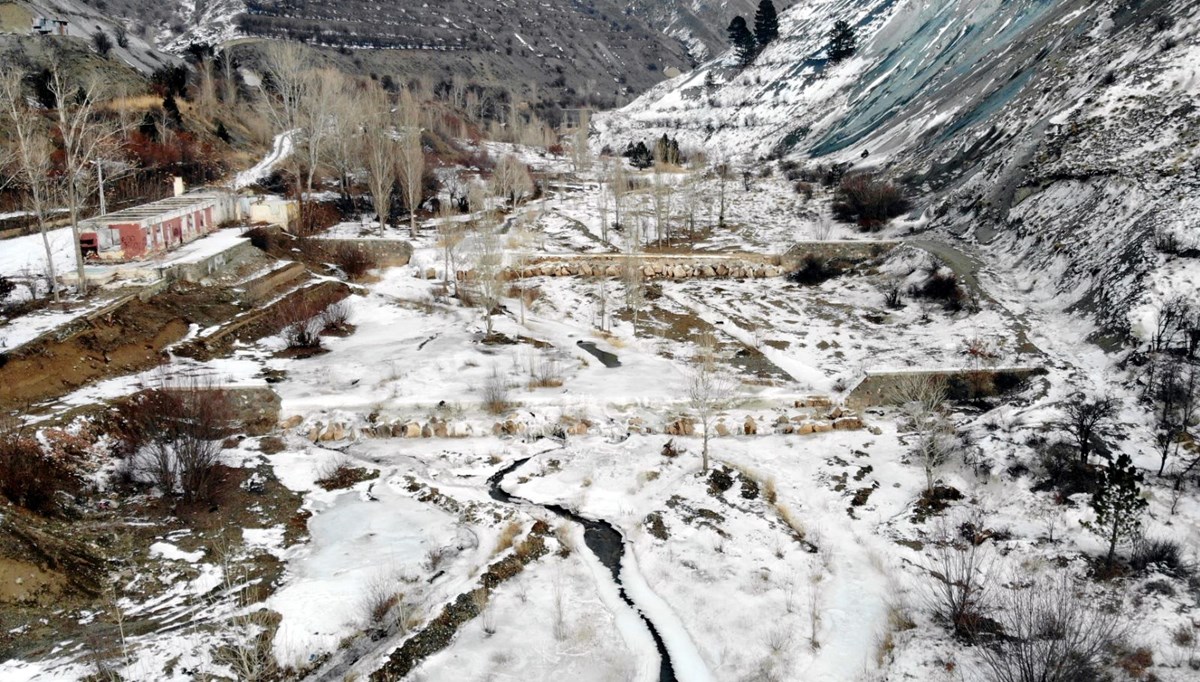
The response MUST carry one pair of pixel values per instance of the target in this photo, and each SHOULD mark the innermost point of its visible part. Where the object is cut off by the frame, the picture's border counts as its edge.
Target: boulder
(412, 430)
(430, 273)
(721, 429)
(427, 431)
(291, 422)
(750, 427)
(805, 428)
(822, 427)
(332, 432)
(683, 426)
(440, 429)
(848, 424)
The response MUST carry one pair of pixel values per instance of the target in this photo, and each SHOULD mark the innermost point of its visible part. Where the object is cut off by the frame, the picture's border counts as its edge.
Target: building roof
(155, 211)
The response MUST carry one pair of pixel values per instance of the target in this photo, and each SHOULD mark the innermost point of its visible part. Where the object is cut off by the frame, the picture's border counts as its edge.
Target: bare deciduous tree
(959, 591)
(410, 156)
(1174, 391)
(633, 281)
(86, 138)
(450, 234)
(348, 119)
(489, 270)
(378, 149)
(922, 399)
(31, 152)
(709, 390)
(663, 193)
(511, 180)
(581, 156)
(284, 89)
(618, 186)
(1170, 320)
(1087, 418)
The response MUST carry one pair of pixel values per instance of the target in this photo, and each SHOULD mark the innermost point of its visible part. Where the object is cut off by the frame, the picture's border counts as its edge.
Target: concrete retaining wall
(264, 288)
(387, 253)
(843, 250)
(194, 272)
(877, 387)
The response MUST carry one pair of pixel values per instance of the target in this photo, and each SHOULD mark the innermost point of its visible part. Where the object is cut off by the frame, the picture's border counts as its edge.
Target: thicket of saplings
(168, 438)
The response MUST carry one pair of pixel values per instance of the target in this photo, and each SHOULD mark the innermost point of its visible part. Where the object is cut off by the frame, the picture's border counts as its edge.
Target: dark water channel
(602, 539)
(607, 359)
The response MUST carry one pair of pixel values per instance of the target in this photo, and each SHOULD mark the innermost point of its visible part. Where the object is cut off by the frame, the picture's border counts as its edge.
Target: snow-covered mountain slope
(84, 21)
(1064, 133)
(699, 24)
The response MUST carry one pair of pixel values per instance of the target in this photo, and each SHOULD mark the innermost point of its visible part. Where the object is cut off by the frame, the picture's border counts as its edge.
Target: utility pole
(100, 184)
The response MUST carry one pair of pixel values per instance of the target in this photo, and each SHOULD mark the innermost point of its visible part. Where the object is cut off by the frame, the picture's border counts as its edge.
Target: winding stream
(604, 541)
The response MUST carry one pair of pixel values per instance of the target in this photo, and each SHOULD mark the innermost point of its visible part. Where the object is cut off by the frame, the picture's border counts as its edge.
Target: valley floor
(795, 556)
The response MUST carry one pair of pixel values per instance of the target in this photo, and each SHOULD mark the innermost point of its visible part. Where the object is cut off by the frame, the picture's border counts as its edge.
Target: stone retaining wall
(814, 415)
(650, 267)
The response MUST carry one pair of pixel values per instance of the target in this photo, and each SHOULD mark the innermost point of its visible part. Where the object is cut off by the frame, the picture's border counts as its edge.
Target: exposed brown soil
(133, 338)
(71, 568)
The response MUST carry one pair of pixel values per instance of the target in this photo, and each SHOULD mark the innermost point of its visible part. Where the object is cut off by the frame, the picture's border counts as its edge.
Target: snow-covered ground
(796, 558)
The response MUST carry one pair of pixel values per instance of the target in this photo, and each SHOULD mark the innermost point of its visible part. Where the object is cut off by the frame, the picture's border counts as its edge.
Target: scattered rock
(719, 481)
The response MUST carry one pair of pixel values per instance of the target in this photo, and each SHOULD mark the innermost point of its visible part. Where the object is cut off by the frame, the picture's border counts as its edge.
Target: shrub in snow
(814, 270)
(959, 589)
(352, 260)
(495, 393)
(175, 435)
(1052, 633)
(867, 202)
(33, 473)
(1162, 555)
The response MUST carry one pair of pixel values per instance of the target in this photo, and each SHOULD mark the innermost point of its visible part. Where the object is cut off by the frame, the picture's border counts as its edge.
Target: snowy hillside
(85, 21)
(698, 24)
(998, 114)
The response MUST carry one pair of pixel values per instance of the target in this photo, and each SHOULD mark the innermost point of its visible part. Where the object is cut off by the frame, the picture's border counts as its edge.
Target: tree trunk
(73, 205)
(1112, 546)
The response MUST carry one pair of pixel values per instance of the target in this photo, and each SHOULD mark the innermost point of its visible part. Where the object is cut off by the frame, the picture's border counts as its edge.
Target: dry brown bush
(174, 436)
(32, 474)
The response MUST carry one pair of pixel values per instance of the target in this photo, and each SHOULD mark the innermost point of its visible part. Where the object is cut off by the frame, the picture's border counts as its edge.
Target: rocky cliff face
(1063, 136)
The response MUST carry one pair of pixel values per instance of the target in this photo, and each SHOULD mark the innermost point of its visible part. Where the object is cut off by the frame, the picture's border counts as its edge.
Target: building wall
(133, 240)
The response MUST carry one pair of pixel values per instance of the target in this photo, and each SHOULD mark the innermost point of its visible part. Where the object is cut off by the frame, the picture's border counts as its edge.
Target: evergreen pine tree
(843, 41)
(174, 117)
(148, 127)
(223, 132)
(742, 40)
(766, 23)
(641, 157)
(1118, 504)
